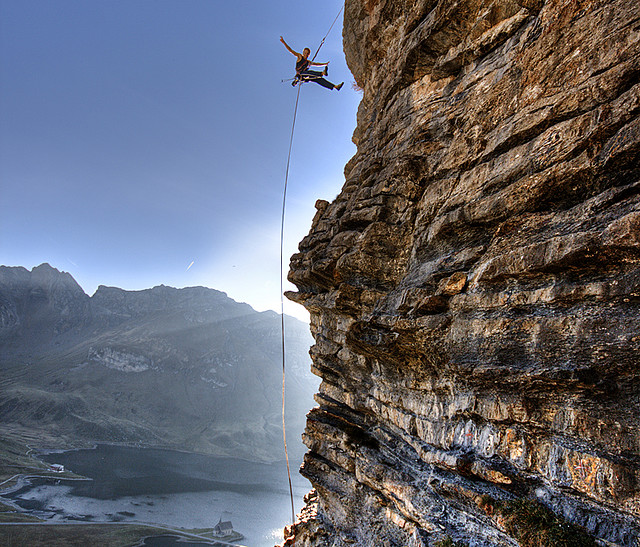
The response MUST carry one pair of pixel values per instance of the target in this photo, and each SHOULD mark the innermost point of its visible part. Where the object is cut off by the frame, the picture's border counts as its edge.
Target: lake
(167, 487)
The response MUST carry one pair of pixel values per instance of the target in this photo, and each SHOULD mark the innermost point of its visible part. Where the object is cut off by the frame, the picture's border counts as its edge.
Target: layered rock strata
(474, 289)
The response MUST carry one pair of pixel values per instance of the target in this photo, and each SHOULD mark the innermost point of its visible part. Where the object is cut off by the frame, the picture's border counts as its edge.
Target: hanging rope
(282, 325)
(327, 34)
(284, 203)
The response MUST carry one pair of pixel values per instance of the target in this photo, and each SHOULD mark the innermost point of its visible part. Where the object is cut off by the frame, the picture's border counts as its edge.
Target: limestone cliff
(474, 289)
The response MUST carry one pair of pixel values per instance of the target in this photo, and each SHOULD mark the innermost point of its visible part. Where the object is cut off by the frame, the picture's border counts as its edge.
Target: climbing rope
(284, 203)
(327, 34)
(282, 324)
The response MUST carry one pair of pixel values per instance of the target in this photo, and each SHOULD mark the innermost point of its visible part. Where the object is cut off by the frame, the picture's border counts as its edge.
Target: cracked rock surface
(474, 289)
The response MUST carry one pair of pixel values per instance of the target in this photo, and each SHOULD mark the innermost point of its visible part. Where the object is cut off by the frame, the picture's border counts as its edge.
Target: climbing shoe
(339, 86)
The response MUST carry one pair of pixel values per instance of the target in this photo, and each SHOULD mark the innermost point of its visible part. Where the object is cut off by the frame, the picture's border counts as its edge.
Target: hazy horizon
(303, 316)
(146, 143)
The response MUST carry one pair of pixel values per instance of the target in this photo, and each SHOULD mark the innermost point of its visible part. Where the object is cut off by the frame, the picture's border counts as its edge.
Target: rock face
(474, 288)
(40, 303)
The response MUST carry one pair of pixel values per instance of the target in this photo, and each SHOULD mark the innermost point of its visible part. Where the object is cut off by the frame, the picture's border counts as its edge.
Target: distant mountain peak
(44, 267)
(47, 300)
(183, 367)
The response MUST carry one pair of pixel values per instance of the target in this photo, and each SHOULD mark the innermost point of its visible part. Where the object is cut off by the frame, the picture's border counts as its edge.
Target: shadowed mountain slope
(185, 368)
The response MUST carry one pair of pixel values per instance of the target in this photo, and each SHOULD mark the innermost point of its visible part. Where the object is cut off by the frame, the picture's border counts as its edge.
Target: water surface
(166, 487)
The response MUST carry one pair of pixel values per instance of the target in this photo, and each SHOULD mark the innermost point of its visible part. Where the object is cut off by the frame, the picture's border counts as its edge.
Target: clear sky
(144, 142)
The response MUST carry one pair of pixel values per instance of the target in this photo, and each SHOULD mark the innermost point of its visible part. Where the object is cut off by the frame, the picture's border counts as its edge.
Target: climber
(303, 74)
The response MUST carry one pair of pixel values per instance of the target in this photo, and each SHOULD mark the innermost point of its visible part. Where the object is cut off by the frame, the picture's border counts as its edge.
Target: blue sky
(140, 136)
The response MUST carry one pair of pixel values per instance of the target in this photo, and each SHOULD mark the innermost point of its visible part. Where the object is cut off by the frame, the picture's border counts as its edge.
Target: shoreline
(35, 469)
(47, 451)
(132, 526)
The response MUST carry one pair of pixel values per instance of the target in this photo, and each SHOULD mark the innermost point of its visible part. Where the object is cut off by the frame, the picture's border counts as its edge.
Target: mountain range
(181, 368)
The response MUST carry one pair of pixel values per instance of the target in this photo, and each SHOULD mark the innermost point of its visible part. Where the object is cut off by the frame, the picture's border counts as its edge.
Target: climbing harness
(301, 67)
(296, 79)
(282, 323)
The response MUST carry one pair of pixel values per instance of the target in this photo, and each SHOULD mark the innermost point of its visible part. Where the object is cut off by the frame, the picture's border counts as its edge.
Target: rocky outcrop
(474, 288)
(40, 303)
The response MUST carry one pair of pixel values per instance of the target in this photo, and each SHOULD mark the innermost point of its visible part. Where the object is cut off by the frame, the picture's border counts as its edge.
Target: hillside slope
(187, 368)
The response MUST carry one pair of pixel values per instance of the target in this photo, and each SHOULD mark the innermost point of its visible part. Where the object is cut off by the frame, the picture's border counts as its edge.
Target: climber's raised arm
(289, 49)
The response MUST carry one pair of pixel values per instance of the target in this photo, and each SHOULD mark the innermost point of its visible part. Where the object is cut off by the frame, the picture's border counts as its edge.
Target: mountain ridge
(188, 368)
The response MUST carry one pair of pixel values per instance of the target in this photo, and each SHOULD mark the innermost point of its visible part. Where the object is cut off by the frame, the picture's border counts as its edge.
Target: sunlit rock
(474, 288)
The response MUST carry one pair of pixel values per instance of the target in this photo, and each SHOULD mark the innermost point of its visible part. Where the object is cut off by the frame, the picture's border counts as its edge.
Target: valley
(176, 368)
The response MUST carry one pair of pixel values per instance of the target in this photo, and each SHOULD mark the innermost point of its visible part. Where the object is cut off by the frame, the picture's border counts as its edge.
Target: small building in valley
(57, 467)
(223, 528)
